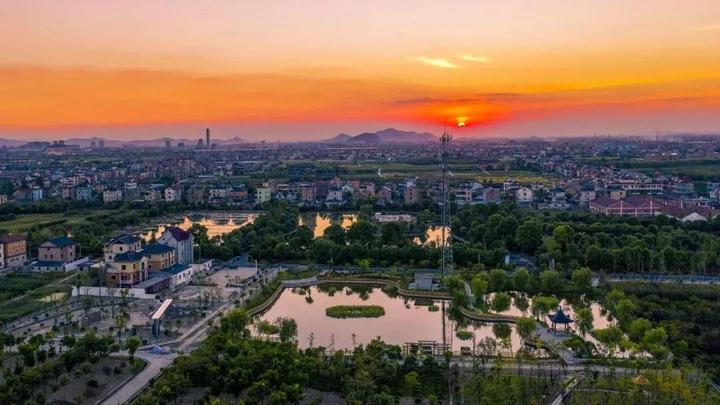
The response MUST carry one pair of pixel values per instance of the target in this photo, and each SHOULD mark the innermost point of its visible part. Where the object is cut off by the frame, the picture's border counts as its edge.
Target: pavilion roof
(559, 317)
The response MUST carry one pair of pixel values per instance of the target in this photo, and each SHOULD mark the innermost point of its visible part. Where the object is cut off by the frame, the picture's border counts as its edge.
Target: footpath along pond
(405, 320)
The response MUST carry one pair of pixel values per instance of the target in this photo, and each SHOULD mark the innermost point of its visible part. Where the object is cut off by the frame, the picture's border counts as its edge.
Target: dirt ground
(78, 391)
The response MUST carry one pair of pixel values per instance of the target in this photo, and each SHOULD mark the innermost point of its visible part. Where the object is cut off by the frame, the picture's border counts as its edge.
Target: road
(156, 362)
(125, 392)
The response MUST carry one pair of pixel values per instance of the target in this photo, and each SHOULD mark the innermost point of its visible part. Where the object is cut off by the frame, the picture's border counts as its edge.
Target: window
(123, 267)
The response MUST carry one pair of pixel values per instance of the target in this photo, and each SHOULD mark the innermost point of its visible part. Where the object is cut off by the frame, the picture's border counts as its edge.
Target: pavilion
(559, 317)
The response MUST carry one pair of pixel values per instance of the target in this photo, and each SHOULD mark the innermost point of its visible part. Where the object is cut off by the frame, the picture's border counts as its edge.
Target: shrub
(86, 367)
(64, 379)
(464, 335)
(355, 311)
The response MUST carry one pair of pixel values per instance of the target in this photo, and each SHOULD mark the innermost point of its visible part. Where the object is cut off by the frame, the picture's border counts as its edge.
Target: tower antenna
(446, 238)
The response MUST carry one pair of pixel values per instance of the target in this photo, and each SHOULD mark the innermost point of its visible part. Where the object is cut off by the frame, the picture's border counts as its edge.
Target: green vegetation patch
(355, 311)
(464, 335)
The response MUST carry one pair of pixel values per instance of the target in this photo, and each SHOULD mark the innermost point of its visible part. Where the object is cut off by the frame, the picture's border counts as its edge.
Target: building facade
(14, 249)
(60, 249)
(182, 241)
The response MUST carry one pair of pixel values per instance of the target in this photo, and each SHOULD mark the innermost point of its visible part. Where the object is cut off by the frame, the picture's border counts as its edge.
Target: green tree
(497, 279)
(335, 233)
(287, 329)
(525, 327)
(521, 279)
(479, 286)
(624, 311)
(501, 302)
(361, 232)
(542, 305)
(610, 337)
(411, 382)
(131, 344)
(584, 320)
(550, 282)
(529, 235)
(637, 329)
(582, 278)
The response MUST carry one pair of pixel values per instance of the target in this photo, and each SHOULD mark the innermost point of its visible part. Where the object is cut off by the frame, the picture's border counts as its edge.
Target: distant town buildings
(14, 251)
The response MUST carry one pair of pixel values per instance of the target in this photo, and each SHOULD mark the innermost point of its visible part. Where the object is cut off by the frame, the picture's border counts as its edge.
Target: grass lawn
(36, 287)
(34, 222)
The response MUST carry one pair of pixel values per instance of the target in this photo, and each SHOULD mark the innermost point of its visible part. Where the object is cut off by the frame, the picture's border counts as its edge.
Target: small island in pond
(355, 311)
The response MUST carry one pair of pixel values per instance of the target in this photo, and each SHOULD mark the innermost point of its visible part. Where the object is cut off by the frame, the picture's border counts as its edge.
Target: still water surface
(405, 321)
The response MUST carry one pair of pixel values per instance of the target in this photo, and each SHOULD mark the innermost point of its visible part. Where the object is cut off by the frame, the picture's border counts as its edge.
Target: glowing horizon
(294, 70)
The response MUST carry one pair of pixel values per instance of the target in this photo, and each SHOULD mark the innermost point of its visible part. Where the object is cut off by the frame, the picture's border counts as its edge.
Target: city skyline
(292, 71)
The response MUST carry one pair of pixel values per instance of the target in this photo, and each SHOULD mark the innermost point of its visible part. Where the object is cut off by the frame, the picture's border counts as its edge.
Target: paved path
(565, 391)
(554, 340)
(156, 362)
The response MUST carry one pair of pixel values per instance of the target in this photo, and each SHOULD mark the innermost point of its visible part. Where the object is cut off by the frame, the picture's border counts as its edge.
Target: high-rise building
(207, 138)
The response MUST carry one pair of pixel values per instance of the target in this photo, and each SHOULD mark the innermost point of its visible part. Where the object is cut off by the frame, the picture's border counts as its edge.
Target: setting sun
(461, 121)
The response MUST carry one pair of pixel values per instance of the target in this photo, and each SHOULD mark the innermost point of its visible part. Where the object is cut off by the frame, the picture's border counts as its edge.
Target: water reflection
(521, 305)
(405, 321)
(433, 236)
(217, 225)
(318, 222)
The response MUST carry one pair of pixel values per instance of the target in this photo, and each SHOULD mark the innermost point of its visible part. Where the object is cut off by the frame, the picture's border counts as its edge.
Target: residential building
(385, 195)
(171, 194)
(587, 194)
(524, 195)
(635, 205)
(263, 195)
(159, 256)
(121, 244)
(307, 192)
(83, 194)
(334, 195)
(127, 269)
(683, 186)
(110, 196)
(14, 249)
(180, 275)
(3, 199)
(182, 241)
(491, 195)
(411, 195)
(60, 249)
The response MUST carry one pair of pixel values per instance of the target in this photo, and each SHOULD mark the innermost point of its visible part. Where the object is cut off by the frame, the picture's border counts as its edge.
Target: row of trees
(44, 360)
(611, 244)
(261, 371)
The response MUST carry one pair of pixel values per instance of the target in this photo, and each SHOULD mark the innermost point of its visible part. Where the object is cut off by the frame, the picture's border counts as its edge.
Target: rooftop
(60, 242)
(156, 248)
(178, 234)
(11, 238)
(124, 239)
(129, 257)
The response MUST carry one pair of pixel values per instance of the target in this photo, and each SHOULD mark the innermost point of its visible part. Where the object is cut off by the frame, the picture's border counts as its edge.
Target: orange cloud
(45, 99)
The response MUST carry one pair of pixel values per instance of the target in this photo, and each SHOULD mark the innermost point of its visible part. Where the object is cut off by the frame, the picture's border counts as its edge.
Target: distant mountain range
(386, 136)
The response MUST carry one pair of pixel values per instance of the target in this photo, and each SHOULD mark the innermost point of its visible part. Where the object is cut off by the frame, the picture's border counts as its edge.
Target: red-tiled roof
(11, 238)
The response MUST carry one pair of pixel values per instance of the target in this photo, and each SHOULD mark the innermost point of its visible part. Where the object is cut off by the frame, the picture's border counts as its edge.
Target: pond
(219, 224)
(318, 222)
(216, 224)
(405, 321)
(521, 305)
(433, 236)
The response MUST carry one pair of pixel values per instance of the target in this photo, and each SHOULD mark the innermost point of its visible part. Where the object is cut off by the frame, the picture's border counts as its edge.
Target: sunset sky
(301, 70)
